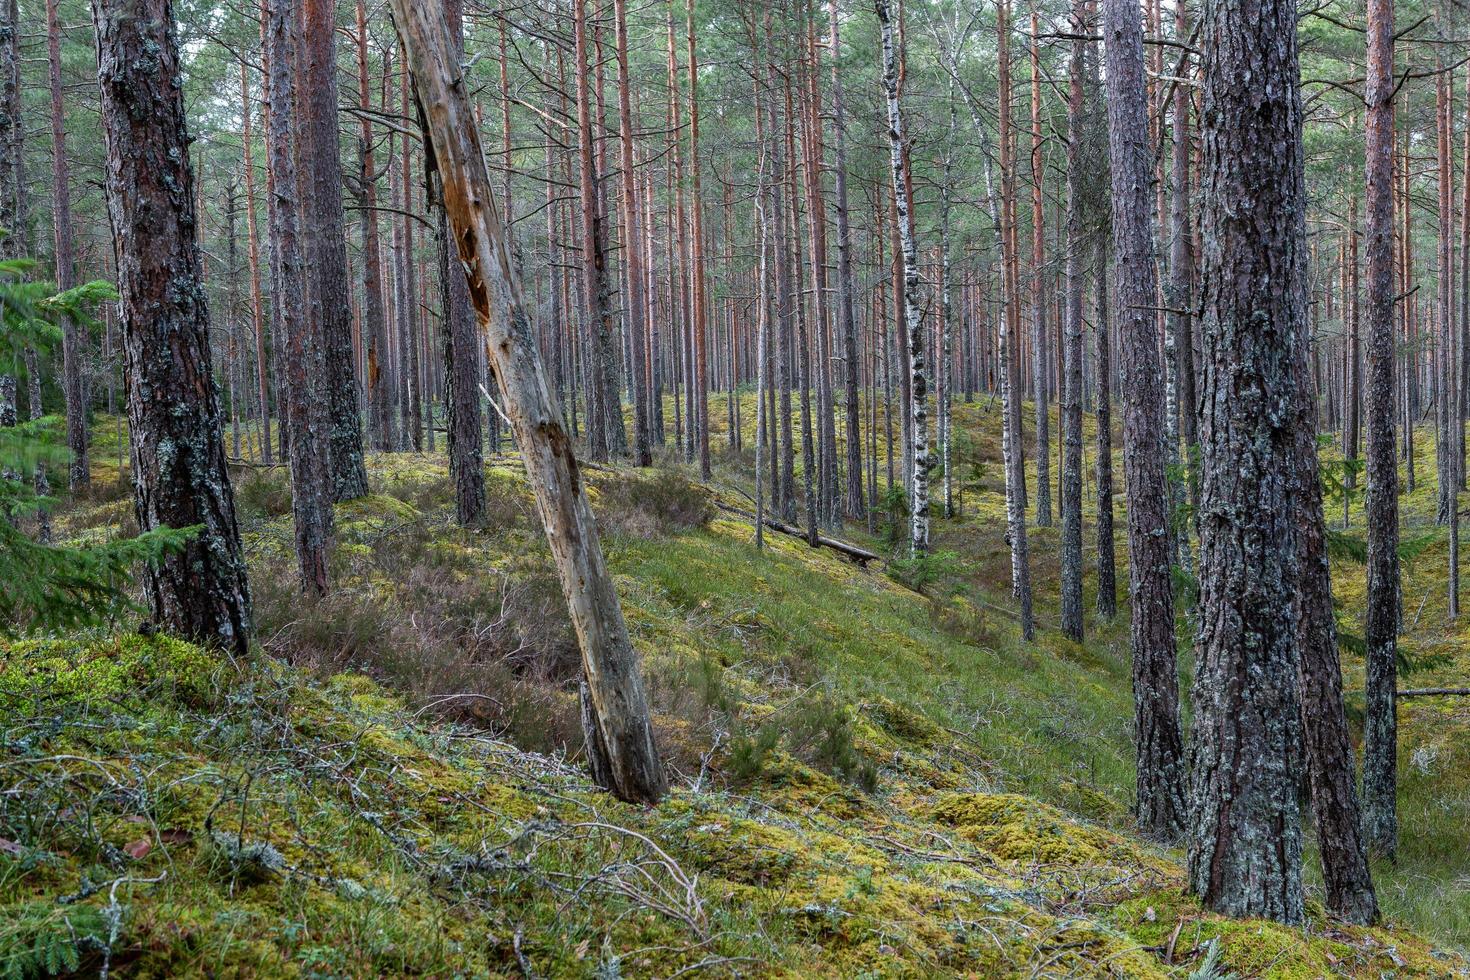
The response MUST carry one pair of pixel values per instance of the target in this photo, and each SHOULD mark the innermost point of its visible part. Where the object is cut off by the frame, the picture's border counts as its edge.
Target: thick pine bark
(1160, 803)
(619, 729)
(297, 330)
(178, 454)
(326, 233)
(461, 347)
(1245, 823)
(1380, 727)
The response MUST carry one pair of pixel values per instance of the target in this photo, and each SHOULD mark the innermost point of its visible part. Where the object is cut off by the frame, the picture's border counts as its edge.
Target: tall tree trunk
(846, 287)
(1040, 344)
(297, 329)
(632, 245)
(380, 384)
(698, 288)
(257, 317)
(1010, 347)
(1245, 827)
(615, 709)
(327, 243)
(460, 343)
(595, 287)
(1107, 575)
(178, 453)
(921, 462)
(1380, 724)
(1180, 290)
(72, 337)
(1071, 400)
(1155, 682)
(1329, 752)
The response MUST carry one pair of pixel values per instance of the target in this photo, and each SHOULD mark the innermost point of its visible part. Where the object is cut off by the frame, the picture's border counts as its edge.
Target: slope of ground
(869, 781)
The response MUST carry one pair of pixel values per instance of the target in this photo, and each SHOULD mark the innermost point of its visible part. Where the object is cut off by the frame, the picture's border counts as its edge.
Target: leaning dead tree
(619, 733)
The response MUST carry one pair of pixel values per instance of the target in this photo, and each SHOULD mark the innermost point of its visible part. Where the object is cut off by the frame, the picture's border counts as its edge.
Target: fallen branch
(1435, 692)
(850, 551)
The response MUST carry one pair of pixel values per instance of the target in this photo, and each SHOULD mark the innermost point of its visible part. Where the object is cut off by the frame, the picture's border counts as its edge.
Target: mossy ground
(869, 781)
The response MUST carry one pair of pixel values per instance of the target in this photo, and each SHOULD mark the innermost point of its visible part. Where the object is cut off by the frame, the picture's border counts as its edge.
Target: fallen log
(1435, 692)
(848, 550)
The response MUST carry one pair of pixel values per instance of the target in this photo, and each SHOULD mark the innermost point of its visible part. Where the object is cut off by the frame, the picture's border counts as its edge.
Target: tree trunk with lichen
(178, 454)
(1160, 804)
(1245, 848)
(326, 242)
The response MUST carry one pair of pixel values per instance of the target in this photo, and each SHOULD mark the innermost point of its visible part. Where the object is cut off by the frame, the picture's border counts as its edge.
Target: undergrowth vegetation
(874, 775)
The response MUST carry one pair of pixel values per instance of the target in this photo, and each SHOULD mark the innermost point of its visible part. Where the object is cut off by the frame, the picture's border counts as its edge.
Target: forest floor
(868, 780)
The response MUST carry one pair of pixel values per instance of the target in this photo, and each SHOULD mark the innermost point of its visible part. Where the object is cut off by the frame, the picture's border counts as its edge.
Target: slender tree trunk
(616, 717)
(257, 317)
(921, 462)
(1180, 291)
(1071, 400)
(632, 245)
(460, 343)
(1010, 334)
(1380, 728)
(846, 289)
(1245, 826)
(698, 288)
(1155, 682)
(72, 337)
(595, 287)
(1040, 344)
(380, 385)
(178, 458)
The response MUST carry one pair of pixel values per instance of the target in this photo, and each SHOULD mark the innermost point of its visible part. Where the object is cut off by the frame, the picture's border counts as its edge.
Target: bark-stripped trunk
(919, 383)
(1160, 806)
(1245, 823)
(178, 453)
(1380, 725)
(615, 710)
(327, 243)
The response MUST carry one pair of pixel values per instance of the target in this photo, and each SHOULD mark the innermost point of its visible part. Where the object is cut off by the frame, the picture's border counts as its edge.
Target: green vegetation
(870, 780)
